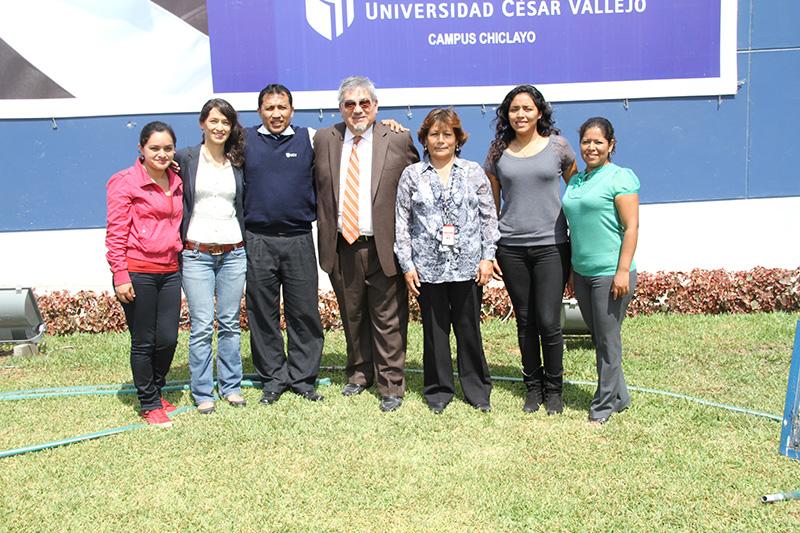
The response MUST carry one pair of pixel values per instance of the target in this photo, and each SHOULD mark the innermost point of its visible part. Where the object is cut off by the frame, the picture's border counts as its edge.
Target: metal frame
(790, 434)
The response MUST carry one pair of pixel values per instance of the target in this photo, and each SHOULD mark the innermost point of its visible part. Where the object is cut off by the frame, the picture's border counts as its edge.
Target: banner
(416, 52)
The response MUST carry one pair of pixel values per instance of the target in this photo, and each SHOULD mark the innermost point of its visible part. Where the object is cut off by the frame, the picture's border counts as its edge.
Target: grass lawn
(665, 464)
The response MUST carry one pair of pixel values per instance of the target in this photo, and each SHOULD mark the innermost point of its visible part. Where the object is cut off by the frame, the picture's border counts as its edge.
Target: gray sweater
(530, 189)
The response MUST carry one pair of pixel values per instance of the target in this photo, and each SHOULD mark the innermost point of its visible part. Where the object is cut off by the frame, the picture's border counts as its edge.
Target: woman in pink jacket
(145, 208)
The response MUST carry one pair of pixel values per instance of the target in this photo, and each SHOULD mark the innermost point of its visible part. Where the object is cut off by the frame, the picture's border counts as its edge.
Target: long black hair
(504, 133)
(234, 146)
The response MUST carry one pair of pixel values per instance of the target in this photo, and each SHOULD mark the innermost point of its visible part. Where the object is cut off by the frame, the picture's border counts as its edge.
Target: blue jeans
(204, 276)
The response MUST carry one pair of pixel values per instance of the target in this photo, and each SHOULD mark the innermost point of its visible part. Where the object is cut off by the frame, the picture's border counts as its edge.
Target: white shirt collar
(366, 135)
(264, 131)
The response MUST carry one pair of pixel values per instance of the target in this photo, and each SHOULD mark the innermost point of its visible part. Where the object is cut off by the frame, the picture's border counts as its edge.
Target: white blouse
(214, 215)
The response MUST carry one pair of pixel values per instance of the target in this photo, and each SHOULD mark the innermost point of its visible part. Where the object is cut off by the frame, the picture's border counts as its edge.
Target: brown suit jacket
(391, 154)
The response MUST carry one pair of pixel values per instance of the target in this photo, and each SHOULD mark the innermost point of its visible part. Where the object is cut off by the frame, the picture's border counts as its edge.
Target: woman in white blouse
(214, 260)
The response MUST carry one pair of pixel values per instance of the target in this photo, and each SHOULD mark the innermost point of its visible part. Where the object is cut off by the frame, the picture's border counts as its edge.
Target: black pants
(287, 263)
(535, 277)
(153, 319)
(457, 303)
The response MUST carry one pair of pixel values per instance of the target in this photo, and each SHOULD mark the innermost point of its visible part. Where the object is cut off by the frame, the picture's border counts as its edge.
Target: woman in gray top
(524, 164)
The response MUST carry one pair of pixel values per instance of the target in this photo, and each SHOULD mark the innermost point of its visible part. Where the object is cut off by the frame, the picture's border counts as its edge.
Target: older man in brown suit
(357, 166)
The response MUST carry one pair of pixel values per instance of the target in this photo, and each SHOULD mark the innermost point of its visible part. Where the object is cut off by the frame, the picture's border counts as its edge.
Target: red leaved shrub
(717, 291)
(696, 292)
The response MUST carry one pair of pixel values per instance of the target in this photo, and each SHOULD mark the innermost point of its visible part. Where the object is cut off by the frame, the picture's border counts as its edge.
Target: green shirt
(595, 227)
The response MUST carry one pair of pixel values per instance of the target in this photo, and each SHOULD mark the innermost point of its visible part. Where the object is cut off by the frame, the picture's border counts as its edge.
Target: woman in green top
(602, 207)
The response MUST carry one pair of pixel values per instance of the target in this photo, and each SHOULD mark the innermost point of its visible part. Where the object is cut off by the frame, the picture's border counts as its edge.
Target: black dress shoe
(484, 407)
(312, 396)
(437, 407)
(351, 389)
(269, 397)
(390, 403)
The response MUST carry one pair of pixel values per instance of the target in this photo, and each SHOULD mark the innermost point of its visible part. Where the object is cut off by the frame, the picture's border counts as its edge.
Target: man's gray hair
(357, 82)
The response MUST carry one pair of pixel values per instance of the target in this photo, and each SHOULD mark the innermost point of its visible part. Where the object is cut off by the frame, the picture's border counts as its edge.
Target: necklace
(524, 152)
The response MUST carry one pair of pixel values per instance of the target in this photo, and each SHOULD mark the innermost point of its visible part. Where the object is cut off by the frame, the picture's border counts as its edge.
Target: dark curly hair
(504, 133)
(234, 146)
(448, 117)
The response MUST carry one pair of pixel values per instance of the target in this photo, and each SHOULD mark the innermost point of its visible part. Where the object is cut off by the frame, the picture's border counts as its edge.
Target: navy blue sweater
(279, 192)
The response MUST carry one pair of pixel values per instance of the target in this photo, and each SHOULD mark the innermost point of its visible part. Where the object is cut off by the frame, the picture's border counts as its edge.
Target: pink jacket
(143, 222)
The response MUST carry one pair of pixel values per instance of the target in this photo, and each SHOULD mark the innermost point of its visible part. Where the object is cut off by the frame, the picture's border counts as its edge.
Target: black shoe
(484, 407)
(533, 400)
(554, 404)
(390, 403)
(352, 389)
(269, 397)
(312, 396)
(437, 407)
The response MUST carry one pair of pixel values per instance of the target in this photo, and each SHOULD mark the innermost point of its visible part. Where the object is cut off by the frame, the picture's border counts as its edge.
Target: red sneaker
(157, 417)
(168, 407)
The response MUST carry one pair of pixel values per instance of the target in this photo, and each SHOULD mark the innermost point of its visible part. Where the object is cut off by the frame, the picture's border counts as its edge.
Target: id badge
(448, 235)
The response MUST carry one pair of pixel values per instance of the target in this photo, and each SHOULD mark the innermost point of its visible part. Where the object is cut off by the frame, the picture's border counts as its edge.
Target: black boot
(535, 386)
(554, 385)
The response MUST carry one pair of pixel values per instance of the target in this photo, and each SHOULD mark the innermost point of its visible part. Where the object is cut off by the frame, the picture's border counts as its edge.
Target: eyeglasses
(364, 104)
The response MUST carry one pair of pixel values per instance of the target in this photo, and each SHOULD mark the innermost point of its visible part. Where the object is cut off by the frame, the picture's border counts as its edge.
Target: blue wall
(683, 149)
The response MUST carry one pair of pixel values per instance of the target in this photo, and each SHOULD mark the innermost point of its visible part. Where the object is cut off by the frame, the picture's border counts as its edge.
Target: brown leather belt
(213, 249)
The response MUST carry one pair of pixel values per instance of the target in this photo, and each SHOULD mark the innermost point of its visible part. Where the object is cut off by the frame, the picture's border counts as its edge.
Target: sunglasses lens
(364, 104)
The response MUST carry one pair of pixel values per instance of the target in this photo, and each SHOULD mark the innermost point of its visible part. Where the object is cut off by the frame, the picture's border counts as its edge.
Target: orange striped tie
(350, 229)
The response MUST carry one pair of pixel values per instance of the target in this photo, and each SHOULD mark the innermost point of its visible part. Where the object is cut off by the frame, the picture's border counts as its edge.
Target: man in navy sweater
(279, 207)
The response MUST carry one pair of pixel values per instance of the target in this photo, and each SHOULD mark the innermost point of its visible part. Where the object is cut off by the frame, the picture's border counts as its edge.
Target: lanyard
(446, 196)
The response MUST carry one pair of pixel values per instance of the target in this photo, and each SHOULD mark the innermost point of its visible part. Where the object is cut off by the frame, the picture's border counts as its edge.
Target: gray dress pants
(603, 315)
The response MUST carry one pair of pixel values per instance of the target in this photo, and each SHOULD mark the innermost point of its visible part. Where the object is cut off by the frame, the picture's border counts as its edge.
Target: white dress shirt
(364, 149)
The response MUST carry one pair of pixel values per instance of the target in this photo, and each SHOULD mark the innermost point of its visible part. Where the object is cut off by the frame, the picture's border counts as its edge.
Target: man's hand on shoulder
(393, 125)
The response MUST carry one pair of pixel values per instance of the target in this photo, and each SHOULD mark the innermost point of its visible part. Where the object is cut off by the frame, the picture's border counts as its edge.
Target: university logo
(327, 17)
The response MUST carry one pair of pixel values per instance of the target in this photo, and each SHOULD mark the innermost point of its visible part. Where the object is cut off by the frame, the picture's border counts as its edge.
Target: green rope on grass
(252, 380)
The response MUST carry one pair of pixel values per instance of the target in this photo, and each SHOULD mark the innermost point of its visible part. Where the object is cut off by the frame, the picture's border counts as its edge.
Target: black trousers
(284, 263)
(535, 277)
(153, 317)
(457, 303)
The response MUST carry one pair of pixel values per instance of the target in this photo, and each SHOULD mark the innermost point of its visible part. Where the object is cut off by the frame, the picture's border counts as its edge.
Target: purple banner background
(255, 42)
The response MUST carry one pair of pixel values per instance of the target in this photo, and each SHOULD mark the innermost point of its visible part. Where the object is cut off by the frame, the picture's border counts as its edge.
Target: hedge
(695, 292)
